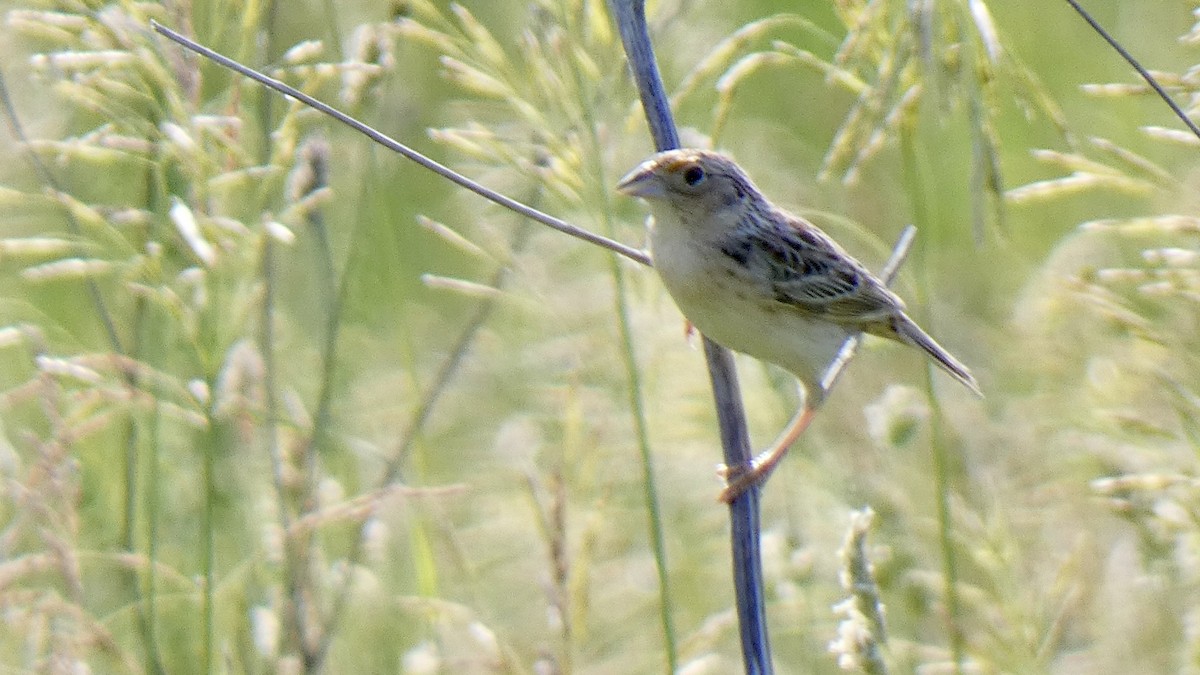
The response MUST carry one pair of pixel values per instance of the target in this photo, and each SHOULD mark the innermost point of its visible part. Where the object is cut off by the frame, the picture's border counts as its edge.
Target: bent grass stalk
(446, 172)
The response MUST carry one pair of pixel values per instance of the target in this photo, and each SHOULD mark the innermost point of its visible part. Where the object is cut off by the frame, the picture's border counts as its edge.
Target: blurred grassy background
(399, 452)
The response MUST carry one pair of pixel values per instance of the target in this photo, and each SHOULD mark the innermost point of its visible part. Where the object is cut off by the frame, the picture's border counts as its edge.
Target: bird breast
(727, 307)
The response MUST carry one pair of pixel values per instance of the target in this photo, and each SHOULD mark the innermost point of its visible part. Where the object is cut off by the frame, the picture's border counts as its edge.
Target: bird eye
(693, 175)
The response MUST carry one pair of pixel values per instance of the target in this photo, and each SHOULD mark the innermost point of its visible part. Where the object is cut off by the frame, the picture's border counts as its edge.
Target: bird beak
(642, 182)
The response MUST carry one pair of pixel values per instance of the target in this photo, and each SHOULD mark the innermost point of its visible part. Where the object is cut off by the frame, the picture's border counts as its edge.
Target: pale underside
(713, 294)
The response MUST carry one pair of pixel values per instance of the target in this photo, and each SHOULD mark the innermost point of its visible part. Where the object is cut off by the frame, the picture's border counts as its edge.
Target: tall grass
(275, 402)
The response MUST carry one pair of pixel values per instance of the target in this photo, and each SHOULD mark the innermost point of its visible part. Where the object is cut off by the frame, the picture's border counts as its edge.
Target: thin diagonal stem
(399, 148)
(420, 416)
(1145, 74)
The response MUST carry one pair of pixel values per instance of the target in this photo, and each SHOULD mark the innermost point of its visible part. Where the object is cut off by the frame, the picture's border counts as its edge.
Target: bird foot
(739, 479)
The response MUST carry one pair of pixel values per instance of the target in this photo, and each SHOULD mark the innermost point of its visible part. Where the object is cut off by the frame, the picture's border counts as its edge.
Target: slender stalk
(210, 357)
(147, 335)
(942, 487)
(334, 290)
(743, 514)
(399, 148)
(295, 609)
(209, 534)
(635, 37)
(145, 612)
(1141, 71)
(633, 376)
(637, 409)
(420, 416)
(137, 432)
(149, 616)
(735, 438)
(131, 460)
(914, 172)
(314, 655)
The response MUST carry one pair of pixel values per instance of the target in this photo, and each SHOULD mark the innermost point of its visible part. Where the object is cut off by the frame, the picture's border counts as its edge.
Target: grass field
(275, 400)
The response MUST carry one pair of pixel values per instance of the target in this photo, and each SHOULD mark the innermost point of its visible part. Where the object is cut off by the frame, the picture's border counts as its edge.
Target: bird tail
(906, 330)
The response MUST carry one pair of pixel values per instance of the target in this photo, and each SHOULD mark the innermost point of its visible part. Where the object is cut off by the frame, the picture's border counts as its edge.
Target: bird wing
(800, 267)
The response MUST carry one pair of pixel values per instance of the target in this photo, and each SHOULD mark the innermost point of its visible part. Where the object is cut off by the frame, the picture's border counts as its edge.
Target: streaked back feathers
(714, 215)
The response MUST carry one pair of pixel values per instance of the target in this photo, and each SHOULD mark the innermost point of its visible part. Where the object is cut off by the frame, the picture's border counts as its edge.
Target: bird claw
(739, 479)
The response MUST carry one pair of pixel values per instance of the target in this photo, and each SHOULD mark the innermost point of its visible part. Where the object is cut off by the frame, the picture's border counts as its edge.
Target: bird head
(691, 181)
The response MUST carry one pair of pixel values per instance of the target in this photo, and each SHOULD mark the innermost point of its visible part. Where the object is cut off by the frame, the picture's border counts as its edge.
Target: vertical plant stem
(638, 413)
(209, 449)
(294, 609)
(633, 376)
(131, 459)
(334, 289)
(441, 381)
(145, 613)
(914, 176)
(146, 334)
(428, 402)
(299, 616)
(942, 481)
(745, 527)
(635, 37)
(137, 433)
(211, 358)
(150, 595)
(735, 439)
(314, 655)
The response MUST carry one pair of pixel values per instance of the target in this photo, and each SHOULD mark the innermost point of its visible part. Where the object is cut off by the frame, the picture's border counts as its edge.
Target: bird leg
(738, 479)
